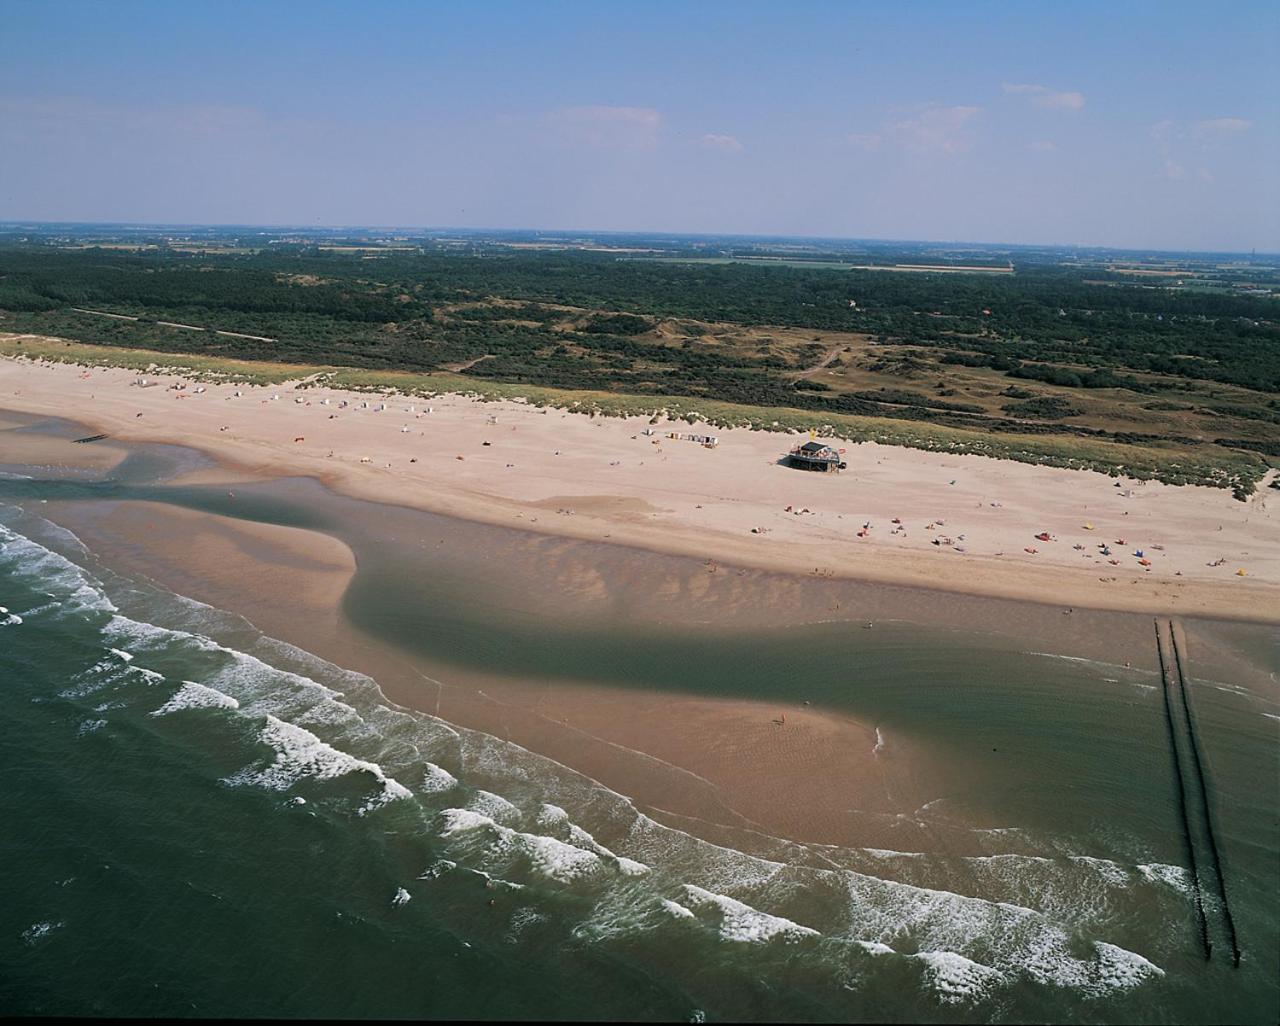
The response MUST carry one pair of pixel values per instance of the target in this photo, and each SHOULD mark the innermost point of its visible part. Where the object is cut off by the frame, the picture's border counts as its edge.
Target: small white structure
(708, 441)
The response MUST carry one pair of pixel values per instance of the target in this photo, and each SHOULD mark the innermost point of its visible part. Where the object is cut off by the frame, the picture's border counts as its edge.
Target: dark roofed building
(813, 455)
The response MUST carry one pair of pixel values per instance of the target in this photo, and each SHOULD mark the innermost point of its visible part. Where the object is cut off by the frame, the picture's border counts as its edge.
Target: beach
(965, 524)
(674, 775)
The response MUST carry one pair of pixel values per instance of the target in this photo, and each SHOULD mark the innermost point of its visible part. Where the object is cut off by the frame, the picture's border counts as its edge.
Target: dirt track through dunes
(174, 324)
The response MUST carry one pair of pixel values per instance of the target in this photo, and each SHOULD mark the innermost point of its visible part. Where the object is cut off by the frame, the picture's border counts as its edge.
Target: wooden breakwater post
(1197, 762)
(1197, 893)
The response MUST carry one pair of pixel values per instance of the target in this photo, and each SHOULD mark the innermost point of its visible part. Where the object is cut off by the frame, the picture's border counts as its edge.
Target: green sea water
(202, 820)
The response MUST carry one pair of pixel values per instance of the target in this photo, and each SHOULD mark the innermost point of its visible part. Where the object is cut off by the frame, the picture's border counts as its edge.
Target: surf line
(1198, 763)
(1197, 895)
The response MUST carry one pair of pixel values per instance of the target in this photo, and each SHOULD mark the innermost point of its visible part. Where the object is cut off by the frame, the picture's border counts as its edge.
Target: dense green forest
(1043, 314)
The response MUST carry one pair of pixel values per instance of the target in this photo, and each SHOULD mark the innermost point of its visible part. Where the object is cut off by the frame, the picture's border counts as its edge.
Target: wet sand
(780, 765)
(772, 767)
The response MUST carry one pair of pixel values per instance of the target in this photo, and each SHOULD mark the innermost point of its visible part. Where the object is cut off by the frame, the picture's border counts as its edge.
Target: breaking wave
(966, 928)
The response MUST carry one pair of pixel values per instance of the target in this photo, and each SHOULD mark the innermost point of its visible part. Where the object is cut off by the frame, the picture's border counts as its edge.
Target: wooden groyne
(1197, 894)
(1197, 761)
(1192, 787)
(90, 438)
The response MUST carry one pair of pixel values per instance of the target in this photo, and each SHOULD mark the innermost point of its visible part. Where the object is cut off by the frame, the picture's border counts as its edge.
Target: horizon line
(154, 225)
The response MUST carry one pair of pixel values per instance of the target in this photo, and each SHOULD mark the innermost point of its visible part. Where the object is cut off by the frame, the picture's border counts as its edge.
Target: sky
(1145, 125)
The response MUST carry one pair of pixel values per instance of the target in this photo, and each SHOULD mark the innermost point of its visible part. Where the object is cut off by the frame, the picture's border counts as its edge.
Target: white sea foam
(89, 727)
(193, 695)
(551, 816)
(1111, 872)
(36, 932)
(1016, 941)
(1170, 876)
(1129, 671)
(677, 910)
(437, 869)
(956, 979)
(10, 620)
(555, 821)
(495, 807)
(74, 589)
(436, 779)
(300, 754)
(44, 607)
(890, 853)
(261, 688)
(879, 745)
(546, 856)
(742, 923)
(402, 898)
(1120, 969)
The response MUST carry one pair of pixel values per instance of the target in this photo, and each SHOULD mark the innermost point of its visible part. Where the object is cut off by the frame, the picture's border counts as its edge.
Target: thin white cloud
(1178, 146)
(1043, 96)
(1042, 146)
(1220, 128)
(726, 143)
(937, 129)
(865, 140)
(196, 119)
(1163, 132)
(609, 126)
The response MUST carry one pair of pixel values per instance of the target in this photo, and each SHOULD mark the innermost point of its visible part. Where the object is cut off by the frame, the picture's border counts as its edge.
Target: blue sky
(1122, 124)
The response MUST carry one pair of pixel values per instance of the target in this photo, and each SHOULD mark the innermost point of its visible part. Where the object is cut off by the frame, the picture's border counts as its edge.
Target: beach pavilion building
(814, 455)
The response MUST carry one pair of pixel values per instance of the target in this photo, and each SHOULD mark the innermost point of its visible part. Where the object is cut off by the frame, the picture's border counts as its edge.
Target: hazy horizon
(1141, 127)
(499, 230)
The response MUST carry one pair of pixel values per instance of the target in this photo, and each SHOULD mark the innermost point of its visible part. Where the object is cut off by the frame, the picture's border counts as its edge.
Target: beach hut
(813, 455)
(707, 441)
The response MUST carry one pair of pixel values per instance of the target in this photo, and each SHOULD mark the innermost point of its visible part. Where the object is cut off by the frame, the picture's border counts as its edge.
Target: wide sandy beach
(965, 524)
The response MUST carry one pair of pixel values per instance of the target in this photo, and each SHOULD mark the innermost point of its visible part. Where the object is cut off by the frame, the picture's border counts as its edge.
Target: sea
(201, 819)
